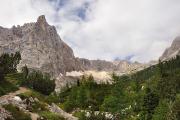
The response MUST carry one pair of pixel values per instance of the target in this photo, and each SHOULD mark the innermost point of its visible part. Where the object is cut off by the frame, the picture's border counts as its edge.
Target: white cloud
(112, 28)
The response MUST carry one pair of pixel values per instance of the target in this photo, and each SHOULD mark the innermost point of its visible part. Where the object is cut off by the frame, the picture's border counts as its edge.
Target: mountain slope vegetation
(150, 94)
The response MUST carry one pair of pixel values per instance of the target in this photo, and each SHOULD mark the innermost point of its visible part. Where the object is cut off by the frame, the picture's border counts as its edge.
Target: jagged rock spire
(172, 51)
(41, 22)
(41, 19)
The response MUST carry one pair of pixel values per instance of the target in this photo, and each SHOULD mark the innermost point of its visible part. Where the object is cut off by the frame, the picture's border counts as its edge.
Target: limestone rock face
(40, 47)
(172, 51)
(109, 66)
(100, 65)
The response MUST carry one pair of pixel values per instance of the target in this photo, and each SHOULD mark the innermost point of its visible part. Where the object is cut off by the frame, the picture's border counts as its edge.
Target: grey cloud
(112, 29)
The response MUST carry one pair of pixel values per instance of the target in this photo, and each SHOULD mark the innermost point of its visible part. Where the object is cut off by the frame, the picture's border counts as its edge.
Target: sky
(135, 30)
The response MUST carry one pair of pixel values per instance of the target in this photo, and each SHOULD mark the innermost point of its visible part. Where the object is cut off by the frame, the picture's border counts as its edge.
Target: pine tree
(25, 72)
(151, 101)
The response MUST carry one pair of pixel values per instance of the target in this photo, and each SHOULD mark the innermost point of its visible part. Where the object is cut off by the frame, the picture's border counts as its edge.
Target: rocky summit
(40, 46)
(42, 49)
(172, 51)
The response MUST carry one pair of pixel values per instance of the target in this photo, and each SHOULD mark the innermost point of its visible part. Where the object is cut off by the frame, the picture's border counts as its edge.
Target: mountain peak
(172, 51)
(42, 19)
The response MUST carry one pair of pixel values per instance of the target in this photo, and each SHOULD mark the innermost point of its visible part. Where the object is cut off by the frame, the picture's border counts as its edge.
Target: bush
(110, 104)
(6, 87)
(17, 114)
(53, 98)
(14, 78)
(1, 91)
(1, 75)
(33, 94)
(92, 116)
(51, 116)
(161, 111)
(39, 82)
(151, 101)
(9, 62)
(37, 107)
(80, 115)
(87, 94)
(175, 115)
(68, 106)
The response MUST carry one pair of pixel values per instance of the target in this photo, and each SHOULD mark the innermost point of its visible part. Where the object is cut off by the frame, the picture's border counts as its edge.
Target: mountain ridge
(42, 48)
(172, 51)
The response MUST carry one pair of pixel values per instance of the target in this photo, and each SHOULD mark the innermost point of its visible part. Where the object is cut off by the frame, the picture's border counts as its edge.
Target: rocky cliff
(40, 46)
(42, 49)
(172, 51)
(121, 66)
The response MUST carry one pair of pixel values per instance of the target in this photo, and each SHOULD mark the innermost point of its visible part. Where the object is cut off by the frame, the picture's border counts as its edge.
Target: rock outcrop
(40, 47)
(120, 66)
(172, 51)
(4, 114)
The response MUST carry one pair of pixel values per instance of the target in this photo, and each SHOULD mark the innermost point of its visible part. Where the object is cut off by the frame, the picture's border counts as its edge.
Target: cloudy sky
(136, 30)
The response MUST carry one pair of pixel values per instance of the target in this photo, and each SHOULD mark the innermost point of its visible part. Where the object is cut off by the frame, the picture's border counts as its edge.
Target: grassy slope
(11, 84)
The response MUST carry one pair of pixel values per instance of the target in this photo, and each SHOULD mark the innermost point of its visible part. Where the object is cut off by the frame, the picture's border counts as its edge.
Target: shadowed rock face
(172, 51)
(40, 47)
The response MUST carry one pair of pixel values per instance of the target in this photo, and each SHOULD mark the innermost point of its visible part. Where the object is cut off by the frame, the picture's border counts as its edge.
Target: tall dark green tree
(167, 87)
(25, 72)
(16, 60)
(9, 62)
(40, 82)
(1, 74)
(151, 101)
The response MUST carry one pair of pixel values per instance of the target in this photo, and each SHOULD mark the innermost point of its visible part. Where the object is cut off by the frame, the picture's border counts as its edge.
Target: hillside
(28, 95)
(41, 79)
(150, 94)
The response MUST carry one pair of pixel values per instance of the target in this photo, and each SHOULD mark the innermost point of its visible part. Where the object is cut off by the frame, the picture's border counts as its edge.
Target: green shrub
(1, 74)
(37, 107)
(51, 116)
(68, 106)
(9, 62)
(17, 114)
(93, 116)
(53, 98)
(40, 82)
(6, 87)
(175, 115)
(1, 91)
(33, 94)
(161, 111)
(80, 115)
(14, 78)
